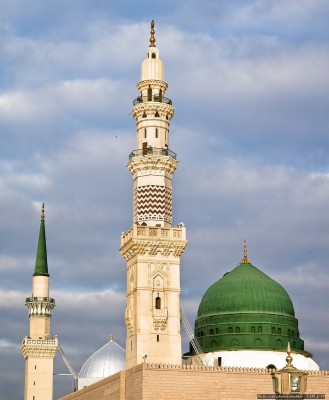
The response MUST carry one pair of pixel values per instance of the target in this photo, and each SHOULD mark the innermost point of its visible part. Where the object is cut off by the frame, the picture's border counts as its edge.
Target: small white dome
(106, 361)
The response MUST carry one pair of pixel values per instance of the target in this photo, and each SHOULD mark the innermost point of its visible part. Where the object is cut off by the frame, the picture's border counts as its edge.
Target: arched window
(160, 95)
(278, 343)
(156, 133)
(154, 55)
(260, 329)
(230, 330)
(253, 330)
(158, 302)
(273, 329)
(258, 342)
(279, 331)
(217, 331)
(157, 114)
(144, 115)
(149, 94)
(237, 330)
(211, 331)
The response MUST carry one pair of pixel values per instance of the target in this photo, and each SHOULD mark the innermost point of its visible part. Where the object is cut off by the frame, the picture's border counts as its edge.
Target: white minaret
(39, 348)
(152, 247)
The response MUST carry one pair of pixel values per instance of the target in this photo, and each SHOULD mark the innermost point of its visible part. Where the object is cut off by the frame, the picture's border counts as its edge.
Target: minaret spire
(152, 247)
(245, 259)
(39, 348)
(152, 32)
(41, 263)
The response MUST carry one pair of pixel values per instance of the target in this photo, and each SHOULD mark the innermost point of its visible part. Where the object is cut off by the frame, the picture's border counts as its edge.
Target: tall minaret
(39, 348)
(152, 247)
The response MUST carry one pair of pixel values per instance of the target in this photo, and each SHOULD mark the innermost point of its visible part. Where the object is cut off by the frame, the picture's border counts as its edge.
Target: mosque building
(245, 321)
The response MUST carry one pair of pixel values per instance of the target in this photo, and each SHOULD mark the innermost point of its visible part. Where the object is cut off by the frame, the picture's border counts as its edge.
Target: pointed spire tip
(245, 259)
(152, 38)
(43, 212)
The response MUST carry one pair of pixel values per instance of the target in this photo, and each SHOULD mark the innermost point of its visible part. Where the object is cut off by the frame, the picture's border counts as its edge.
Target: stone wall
(171, 382)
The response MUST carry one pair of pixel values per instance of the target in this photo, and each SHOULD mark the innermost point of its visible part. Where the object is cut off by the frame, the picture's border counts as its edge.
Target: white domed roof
(106, 361)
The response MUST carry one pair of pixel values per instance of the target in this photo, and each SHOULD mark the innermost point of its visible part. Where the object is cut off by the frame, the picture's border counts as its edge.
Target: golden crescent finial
(43, 212)
(152, 38)
(245, 259)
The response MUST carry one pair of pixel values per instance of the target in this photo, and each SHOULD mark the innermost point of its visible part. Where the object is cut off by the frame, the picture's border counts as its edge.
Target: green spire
(41, 264)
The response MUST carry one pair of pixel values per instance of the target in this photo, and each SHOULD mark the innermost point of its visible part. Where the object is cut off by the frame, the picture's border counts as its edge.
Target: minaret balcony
(155, 98)
(153, 151)
(40, 306)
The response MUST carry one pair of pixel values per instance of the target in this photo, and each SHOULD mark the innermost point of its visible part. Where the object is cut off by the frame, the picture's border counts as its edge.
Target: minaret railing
(153, 151)
(155, 98)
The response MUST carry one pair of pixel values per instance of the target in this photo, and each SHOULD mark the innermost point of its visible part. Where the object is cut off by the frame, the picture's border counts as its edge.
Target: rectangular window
(219, 361)
(158, 338)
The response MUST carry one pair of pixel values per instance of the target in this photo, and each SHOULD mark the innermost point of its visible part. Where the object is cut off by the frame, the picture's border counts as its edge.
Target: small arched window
(158, 303)
(144, 115)
(149, 94)
(260, 329)
(253, 330)
(279, 331)
(211, 331)
(237, 330)
(156, 133)
(154, 55)
(273, 329)
(230, 330)
(157, 114)
(217, 331)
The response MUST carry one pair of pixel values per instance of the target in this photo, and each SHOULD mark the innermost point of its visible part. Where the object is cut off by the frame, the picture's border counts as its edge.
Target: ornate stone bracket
(40, 306)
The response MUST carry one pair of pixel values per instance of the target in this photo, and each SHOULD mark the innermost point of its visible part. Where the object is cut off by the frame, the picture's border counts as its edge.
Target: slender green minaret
(39, 348)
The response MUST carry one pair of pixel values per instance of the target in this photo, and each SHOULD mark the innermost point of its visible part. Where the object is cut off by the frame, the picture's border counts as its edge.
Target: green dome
(246, 309)
(246, 289)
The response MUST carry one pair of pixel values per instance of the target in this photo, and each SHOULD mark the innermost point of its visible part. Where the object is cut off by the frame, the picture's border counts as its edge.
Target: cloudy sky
(250, 85)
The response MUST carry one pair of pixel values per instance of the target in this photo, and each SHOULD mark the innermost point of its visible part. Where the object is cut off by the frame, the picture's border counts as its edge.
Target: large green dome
(246, 289)
(246, 309)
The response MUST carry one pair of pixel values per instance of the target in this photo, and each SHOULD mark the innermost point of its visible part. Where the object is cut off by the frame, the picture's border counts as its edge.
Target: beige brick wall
(163, 382)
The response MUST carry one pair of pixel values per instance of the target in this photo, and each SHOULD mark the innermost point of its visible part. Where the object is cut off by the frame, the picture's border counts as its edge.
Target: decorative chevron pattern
(153, 202)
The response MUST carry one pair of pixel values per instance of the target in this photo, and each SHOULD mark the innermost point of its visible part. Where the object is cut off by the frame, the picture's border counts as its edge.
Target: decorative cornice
(39, 348)
(151, 241)
(141, 165)
(150, 108)
(167, 367)
(40, 306)
(155, 83)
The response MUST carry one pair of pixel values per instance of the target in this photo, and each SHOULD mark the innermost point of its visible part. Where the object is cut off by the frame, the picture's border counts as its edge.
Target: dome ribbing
(246, 289)
(246, 309)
